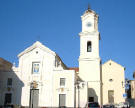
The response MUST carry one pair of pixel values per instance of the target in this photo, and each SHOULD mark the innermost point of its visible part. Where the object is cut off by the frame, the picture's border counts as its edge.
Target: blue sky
(57, 23)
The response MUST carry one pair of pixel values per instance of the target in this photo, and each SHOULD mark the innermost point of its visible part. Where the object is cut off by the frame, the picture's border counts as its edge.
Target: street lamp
(79, 85)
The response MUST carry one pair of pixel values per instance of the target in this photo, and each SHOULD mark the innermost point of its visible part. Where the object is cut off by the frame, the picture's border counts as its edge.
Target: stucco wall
(15, 88)
(133, 89)
(68, 89)
(114, 71)
(47, 78)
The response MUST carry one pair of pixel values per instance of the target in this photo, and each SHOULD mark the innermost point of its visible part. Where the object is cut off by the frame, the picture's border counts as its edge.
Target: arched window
(89, 46)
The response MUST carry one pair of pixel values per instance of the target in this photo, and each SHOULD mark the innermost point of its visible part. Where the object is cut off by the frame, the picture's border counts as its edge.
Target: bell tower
(89, 60)
(89, 37)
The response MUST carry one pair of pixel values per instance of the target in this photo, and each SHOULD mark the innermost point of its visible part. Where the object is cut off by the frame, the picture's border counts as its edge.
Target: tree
(134, 75)
(128, 88)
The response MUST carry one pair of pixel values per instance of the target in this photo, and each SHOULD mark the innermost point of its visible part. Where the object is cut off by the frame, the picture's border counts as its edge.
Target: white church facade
(43, 80)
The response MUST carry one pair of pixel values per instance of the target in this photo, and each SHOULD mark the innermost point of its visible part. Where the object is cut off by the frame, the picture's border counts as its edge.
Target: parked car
(108, 106)
(8, 106)
(122, 105)
(92, 105)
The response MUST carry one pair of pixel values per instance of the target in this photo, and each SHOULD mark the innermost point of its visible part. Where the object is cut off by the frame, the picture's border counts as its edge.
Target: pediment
(37, 44)
(113, 62)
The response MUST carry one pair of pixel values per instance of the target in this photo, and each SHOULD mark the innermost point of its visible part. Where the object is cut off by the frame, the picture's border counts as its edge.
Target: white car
(122, 105)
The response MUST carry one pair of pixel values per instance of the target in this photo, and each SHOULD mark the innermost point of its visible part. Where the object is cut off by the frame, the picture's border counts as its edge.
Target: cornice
(88, 59)
(89, 33)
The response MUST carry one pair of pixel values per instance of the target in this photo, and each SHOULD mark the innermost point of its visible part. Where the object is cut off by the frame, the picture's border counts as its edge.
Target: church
(43, 80)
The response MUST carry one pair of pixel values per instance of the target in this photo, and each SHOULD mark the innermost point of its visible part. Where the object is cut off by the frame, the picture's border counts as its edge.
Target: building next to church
(43, 80)
(113, 82)
(10, 84)
(132, 85)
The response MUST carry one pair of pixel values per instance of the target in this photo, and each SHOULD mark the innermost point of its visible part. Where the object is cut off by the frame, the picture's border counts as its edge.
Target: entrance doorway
(62, 100)
(8, 98)
(111, 96)
(34, 97)
(91, 99)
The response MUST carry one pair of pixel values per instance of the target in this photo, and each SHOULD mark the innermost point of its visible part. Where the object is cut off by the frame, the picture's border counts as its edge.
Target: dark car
(108, 106)
(92, 105)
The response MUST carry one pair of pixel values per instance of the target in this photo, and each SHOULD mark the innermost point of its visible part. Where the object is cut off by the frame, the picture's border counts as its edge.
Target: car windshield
(93, 105)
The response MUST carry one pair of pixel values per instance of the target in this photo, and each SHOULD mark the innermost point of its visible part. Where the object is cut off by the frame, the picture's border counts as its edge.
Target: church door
(62, 100)
(34, 97)
(111, 96)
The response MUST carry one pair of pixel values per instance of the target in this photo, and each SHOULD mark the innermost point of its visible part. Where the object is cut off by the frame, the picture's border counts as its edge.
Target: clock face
(88, 24)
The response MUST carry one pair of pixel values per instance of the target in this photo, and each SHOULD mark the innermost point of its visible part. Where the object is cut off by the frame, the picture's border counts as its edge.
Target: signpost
(125, 95)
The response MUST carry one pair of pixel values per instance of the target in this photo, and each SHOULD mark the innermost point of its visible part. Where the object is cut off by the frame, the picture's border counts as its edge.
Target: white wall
(68, 89)
(15, 89)
(44, 78)
(47, 79)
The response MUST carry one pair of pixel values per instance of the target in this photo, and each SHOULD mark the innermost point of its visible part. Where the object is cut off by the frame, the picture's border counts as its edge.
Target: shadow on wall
(10, 86)
(18, 84)
(92, 96)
